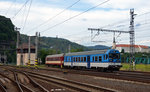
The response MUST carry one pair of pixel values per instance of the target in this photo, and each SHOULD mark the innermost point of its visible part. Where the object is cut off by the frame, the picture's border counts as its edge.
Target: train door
(88, 61)
(71, 61)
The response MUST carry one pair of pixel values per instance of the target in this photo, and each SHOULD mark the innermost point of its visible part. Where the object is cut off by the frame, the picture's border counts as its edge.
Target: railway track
(32, 85)
(13, 85)
(17, 85)
(136, 77)
(73, 85)
(143, 77)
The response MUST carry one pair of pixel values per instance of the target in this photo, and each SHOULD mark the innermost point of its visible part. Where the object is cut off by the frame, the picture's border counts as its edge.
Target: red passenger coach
(57, 59)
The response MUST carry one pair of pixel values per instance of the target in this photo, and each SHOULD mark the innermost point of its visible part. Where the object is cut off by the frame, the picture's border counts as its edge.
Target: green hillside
(57, 44)
(7, 39)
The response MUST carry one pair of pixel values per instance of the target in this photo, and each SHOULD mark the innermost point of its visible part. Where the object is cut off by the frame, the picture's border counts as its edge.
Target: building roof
(136, 46)
(25, 46)
(55, 55)
(86, 52)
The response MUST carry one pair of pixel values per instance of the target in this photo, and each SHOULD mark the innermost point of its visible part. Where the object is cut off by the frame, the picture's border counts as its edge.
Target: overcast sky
(113, 14)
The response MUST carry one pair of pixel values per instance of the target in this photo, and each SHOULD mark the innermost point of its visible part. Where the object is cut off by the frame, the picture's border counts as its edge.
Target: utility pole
(69, 48)
(36, 50)
(18, 41)
(0, 58)
(29, 51)
(132, 39)
(39, 39)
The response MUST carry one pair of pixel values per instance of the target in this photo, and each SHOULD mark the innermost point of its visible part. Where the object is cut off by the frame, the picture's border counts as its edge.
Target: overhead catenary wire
(122, 27)
(74, 16)
(20, 9)
(27, 16)
(54, 16)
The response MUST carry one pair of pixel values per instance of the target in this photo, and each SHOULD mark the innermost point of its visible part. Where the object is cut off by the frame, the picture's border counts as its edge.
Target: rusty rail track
(136, 76)
(20, 87)
(2, 87)
(77, 86)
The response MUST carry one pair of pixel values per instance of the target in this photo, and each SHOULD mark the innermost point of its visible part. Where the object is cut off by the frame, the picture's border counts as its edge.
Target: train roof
(87, 52)
(56, 55)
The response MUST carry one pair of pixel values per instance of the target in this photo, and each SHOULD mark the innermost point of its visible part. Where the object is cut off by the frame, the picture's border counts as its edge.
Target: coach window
(100, 58)
(96, 58)
(69, 59)
(106, 56)
(76, 59)
(85, 59)
(73, 59)
(93, 58)
(81, 59)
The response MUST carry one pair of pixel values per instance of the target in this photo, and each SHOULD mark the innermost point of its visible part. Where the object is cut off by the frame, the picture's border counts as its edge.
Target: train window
(84, 58)
(73, 58)
(93, 58)
(70, 58)
(100, 58)
(106, 56)
(96, 58)
(81, 58)
(76, 59)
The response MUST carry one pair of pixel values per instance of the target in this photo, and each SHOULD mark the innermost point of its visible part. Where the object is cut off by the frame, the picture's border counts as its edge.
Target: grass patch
(138, 67)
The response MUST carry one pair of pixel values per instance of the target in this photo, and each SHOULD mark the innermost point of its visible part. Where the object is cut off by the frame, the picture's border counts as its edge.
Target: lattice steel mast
(132, 37)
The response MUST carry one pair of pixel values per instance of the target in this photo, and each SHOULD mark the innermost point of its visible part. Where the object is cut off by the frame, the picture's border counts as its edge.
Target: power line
(20, 9)
(75, 16)
(122, 21)
(55, 16)
(27, 16)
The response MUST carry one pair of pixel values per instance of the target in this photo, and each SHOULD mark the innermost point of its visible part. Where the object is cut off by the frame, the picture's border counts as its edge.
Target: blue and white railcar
(100, 59)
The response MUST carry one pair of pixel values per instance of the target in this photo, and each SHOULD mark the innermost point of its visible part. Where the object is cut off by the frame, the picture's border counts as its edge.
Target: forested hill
(7, 32)
(58, 44)
(7, 39)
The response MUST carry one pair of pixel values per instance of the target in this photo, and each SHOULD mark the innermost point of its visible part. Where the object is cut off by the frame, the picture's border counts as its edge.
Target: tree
(44, 52)
(122, 51)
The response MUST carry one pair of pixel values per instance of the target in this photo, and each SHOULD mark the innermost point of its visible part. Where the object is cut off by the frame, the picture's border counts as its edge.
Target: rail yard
(66, 46)
(24, 79)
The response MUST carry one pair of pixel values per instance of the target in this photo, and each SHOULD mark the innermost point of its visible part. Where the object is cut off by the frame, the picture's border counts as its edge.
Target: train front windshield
(114, 56)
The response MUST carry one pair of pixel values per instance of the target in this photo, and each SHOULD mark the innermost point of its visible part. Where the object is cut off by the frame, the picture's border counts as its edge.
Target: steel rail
(17, 83)
(68, 83)
(3, 89)
(36, 84)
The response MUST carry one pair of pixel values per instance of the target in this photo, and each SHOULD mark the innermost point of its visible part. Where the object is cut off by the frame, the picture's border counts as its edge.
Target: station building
(138, 48)
(23, 55)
